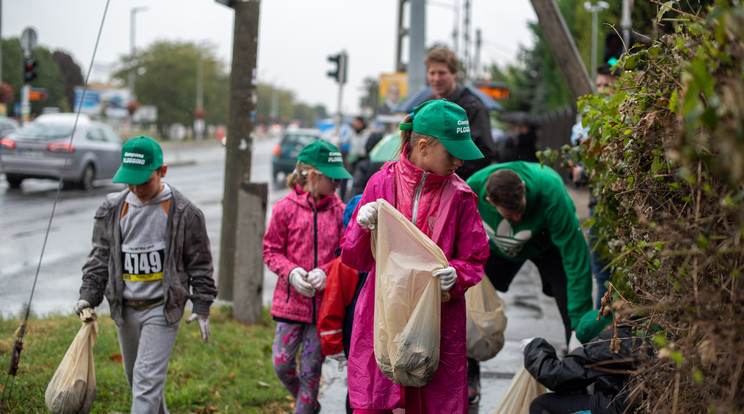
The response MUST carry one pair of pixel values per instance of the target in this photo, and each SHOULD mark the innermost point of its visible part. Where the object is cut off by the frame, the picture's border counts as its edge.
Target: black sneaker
(473, 381)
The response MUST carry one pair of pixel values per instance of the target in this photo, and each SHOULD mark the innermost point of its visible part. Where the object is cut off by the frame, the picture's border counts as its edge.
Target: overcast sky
(295, 36)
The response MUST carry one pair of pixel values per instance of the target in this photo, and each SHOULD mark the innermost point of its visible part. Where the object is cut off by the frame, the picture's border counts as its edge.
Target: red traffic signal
(29, 70)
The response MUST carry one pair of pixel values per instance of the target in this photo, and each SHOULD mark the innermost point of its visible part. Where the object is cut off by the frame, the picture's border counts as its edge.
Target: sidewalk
(530, 314)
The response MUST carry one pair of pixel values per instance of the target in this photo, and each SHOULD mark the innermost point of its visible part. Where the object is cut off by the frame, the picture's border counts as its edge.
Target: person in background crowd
(365, 167)
(357, 138)
(441, 73)
(521, 142)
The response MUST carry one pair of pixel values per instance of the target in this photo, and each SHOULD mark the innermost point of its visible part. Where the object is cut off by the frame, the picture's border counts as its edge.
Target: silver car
(7, 126)
(42, 149)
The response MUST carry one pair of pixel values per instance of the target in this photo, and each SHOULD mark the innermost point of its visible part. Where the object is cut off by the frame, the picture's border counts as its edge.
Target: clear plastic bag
(522, 390)
(407, 299)
(73, 386)
(486, 321)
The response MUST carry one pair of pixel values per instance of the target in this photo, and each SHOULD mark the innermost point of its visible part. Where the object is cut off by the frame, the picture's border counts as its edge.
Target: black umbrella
(520, 118)
(417, 98)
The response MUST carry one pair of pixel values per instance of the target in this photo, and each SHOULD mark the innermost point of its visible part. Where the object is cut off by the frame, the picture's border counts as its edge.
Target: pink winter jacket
(455, 225)
(305, 235)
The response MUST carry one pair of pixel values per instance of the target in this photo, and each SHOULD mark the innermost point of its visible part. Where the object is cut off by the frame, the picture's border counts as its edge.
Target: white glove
(447, 277)
(367, 216)
(203, 325)
(317, 278)
(80, 305)
(298, 280)
(574, 342)
(341, 358)
(523, 344)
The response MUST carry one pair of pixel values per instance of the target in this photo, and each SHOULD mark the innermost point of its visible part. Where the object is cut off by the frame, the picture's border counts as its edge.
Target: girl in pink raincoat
(423, 187)
(303, 235)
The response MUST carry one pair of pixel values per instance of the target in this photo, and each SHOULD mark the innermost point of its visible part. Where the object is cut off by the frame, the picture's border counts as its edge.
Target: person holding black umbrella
(441, 72)
(521, 143)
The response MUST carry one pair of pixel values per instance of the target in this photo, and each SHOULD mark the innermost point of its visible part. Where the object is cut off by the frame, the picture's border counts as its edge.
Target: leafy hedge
(667, 157)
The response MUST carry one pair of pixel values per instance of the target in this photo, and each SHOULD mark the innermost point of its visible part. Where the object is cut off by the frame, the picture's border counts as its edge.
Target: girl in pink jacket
(303, 235)
(423, 187)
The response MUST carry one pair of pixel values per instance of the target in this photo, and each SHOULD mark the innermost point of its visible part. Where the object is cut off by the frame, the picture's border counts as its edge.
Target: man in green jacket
(529, 215)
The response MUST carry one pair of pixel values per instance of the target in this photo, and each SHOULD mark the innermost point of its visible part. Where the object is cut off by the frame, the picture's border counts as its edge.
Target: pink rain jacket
(446, 212)
(301, 234)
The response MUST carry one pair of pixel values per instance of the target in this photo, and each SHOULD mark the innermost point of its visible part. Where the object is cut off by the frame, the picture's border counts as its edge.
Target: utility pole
(466, 38)
(199, 115)
(417, 47)
(402, 32)
(244, 203)
(342, 65)
(1, 43)
(626, 23)
(563, 47)
(28, 43)
(594, 9)
(476, 58)
(456, 28)
(132, 48)
(341, 61)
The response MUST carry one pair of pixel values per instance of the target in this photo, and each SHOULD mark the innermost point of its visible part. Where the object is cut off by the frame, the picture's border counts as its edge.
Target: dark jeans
(501, 272)
(553, 403)
(600, 270)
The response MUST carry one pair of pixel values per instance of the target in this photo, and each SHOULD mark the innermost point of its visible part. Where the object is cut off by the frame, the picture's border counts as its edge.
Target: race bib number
(143, 264)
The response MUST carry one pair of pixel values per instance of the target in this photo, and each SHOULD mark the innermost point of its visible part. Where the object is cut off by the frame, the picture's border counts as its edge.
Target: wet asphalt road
(196, 169)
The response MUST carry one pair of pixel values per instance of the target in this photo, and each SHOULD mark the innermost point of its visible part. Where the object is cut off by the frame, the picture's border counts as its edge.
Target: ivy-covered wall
(667, 159)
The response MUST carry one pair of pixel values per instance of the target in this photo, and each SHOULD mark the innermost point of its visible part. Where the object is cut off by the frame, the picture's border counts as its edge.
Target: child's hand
(297, 278)
(317, 278)
(367, 216)
(447, 277)
(203, 325)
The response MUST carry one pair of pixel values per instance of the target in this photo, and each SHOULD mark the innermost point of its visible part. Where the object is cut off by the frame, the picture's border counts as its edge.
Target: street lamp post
(594, 9)
(132, 50)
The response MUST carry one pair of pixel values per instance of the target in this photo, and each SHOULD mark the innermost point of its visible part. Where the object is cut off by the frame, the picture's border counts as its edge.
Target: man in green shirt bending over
(529, 215)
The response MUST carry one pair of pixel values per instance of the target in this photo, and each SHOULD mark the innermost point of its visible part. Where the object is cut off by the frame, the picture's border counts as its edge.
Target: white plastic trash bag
(407, 299)
(522, 390)
(486, 321)
(73, 387)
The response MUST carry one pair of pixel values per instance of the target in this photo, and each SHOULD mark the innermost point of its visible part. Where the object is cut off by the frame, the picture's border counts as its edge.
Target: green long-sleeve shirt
(549, 219)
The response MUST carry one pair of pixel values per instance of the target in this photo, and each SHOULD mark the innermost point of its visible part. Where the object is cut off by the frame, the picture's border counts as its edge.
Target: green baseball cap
(326, 157)
(447, 122)
(139, 158)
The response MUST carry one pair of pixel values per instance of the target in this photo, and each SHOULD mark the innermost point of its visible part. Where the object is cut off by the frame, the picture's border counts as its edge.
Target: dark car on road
(286, 152)
(42, 149)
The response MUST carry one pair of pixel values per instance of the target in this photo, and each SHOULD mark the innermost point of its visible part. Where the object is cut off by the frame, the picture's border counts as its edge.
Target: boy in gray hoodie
(150, 255)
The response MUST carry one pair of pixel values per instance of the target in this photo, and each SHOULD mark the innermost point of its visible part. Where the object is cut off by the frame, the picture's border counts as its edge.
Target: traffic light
(29, 70)
(613, 48)
(342, 62)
